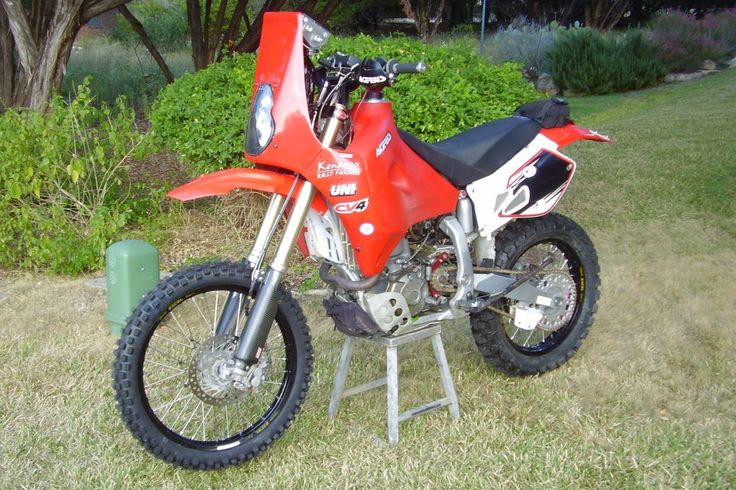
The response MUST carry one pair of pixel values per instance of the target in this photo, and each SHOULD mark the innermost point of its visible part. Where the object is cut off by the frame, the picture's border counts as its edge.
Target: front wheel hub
(208, 376)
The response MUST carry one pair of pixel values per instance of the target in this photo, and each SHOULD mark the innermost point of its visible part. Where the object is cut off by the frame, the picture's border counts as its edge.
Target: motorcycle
(215, 362)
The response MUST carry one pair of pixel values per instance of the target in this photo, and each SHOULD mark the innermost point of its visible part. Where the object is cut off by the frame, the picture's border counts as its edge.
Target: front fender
(225, 181)
(570, 133)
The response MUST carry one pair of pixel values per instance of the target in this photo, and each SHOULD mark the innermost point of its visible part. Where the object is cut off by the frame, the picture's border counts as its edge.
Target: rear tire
(517, 351)
(166, 375)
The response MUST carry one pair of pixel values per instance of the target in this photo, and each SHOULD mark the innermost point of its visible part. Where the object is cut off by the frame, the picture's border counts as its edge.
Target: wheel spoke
(214, 320)
(155, 363)
(196, 305)
(159, 336)
(184, 397)
(191, 337)
(149, 385)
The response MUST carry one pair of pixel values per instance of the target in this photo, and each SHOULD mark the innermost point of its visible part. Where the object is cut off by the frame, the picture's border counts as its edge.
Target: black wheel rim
(184, 414)
(539, 341)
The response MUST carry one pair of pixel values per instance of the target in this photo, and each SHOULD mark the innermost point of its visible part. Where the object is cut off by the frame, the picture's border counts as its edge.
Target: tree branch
(249, 43)
(217, 33)
(141, 31)
(438, 18)
(195, 27)
(232, 29)
(93, 8)
(327, 11)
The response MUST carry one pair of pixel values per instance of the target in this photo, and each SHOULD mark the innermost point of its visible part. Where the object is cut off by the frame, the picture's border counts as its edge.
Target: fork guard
(225, 181)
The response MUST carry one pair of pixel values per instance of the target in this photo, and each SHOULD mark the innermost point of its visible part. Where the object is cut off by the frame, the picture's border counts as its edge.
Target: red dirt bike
(215, 362)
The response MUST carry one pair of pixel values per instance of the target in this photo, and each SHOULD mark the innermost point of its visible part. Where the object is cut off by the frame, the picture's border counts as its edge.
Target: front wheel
(170, 371)
(571, 280)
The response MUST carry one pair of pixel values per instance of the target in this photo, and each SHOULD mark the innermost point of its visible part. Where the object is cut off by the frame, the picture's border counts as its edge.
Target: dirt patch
(159, 169)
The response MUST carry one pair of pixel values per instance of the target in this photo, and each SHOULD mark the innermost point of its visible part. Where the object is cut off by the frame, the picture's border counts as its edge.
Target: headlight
(260, 124)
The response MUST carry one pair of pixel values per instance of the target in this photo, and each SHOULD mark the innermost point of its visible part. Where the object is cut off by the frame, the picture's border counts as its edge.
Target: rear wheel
(519, 347)
(171, 380)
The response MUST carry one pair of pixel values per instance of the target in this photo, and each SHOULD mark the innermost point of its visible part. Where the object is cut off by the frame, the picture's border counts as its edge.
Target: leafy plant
(64, 186)
(524, 42)
(587, 62)
(202, 116)
(684, 42)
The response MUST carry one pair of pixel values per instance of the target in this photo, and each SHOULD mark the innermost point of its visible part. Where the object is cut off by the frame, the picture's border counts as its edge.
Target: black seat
(477, 152)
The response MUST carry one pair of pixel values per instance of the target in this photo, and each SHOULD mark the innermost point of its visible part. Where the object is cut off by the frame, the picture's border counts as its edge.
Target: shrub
(585, 61)
(524, 42)
(202, 116)
(64, 185)
(684, 42)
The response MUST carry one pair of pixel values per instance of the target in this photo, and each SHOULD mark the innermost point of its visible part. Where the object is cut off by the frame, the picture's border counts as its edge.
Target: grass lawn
(649, 401)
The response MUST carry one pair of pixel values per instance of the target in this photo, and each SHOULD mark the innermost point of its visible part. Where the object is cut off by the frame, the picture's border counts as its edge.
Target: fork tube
(226, 324)
(258, 323)
(269, 219)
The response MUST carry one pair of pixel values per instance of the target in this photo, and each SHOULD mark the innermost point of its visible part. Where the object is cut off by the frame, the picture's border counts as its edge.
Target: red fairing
(377, 185)
(570, 133)
(226, 181)
(397, 187)
(281, 65)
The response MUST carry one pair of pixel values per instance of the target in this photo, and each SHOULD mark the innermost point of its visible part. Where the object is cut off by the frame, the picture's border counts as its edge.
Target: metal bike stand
(392, 378)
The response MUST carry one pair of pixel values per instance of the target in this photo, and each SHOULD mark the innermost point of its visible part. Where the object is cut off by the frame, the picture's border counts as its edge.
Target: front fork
(263, 311)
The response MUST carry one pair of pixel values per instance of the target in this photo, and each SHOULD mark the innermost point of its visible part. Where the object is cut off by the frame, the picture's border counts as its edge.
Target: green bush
(587, 62)
(64, 184)
(459, 90)
(524, 41)
(202, 116)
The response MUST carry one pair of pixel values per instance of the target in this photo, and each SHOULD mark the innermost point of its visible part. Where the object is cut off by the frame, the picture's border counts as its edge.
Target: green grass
(673, 156)
(649, 401)
(118, 70)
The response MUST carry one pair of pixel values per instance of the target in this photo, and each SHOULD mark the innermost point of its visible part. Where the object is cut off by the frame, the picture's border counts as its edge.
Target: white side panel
(323, 237)
(494, 197)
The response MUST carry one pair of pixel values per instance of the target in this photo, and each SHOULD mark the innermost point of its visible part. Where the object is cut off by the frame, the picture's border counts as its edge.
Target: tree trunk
(6, 62)
(194, 16)
(34, 59)
(141, 31)
(249, 43)
(232, 30)
(604, 15)
(422, 16)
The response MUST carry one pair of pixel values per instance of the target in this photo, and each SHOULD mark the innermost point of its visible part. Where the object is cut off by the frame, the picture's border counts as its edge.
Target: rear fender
(570, 133)
(226, 181)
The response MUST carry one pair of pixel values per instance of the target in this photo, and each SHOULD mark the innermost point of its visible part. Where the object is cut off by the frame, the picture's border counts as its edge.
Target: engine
(420, 278)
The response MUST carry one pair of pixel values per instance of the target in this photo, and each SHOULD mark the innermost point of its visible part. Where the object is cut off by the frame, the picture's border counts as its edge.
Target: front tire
(574, 275)
(168, 372)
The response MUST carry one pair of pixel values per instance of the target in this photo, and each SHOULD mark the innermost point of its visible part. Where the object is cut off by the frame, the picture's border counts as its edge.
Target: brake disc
(207, 374)
(559, 286)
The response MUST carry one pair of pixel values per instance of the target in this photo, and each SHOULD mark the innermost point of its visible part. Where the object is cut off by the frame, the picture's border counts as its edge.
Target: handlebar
(371, 71)
(396, 68)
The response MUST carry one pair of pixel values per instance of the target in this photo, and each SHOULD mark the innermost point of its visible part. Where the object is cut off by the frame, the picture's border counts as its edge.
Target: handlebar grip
(398, 68)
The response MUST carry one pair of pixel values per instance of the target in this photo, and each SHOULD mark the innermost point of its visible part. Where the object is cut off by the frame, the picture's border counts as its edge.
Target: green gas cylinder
(132, 269)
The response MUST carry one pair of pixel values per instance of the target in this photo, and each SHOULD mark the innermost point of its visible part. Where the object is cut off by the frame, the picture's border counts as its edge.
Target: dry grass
(649, 400)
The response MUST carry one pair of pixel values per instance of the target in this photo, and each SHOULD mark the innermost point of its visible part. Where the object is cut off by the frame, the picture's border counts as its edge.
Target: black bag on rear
(552, 113)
